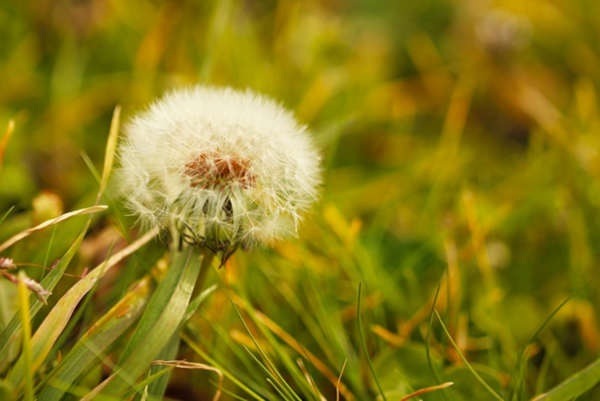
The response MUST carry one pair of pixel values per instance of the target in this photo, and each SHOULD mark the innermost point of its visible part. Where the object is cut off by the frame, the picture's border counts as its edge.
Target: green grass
(454, 159)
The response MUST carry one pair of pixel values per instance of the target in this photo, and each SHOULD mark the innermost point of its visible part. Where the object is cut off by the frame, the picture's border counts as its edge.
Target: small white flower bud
(226, 168)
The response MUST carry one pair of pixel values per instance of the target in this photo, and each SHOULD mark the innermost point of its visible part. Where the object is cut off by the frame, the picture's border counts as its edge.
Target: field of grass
(455, 239)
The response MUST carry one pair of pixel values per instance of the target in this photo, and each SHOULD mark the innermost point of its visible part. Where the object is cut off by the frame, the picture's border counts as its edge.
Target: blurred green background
(458, 136)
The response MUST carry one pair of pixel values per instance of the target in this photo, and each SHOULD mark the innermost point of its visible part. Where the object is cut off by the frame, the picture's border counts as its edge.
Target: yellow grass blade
(57, 319)
(427, 390)
(23, 234)
(111, 146)
(195, 365)
(26, 324)
(7, 134)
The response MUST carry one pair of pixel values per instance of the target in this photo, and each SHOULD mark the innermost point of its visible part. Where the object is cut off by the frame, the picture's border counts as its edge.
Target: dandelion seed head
(227, 168)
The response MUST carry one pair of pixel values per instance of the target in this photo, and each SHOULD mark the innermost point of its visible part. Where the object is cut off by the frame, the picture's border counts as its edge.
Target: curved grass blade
(540, 384)
(521, 361)
(194, 365)
(428, 336)
(427, 390)
(154, 331)
(487, 386)
(339, 382)
(94, 343)
(157, 388)
(18, 237)
(139, 387)
(310, 379)
(57, 319)
(364, 345)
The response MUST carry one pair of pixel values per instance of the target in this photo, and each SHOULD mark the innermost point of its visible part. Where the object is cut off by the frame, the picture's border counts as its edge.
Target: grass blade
(364, 345)
(283, 356)
(279, 378)
(5, 215)
(276, 385)
(197, 366)
(194, 346)
(156, 330)
(487, 386)
(271, 379)
(92, 346)
(158, 387)
(4, 142)
(158, 303)
(292, 342)
(520, 365)
(18, 237)
(26, 323)
(57, 319)
(428, 336)
(141, 386)
(50, 247)
(10, 334)
(575, 385)
(339, 382)
(243, 372)
(109, 154)
(427, 390)
(229, 393)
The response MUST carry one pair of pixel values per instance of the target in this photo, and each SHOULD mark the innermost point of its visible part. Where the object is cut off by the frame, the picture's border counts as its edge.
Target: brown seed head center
(216, 169)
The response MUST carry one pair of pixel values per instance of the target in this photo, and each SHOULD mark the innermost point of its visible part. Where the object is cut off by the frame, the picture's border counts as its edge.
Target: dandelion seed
(226, 168)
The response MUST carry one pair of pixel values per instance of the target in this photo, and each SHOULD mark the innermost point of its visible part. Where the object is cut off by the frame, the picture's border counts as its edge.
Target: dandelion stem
(207, 258)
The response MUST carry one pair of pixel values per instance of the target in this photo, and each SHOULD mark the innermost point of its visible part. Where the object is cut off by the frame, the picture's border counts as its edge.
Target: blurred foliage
(460, 141)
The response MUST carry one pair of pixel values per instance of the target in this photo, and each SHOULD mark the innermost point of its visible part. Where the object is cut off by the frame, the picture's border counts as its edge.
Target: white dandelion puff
(226, 168)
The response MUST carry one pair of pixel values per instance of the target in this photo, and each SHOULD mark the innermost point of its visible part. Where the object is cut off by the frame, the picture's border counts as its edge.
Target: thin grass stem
(264, 356)
(487, 386)
(428, 336)
(364, 345)
(520, 365)
(194, 346)
(48, 251)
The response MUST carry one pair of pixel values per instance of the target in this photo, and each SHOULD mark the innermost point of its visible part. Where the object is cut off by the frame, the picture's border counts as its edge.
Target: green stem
(364, 344)
(487, 386)
(207, 258)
